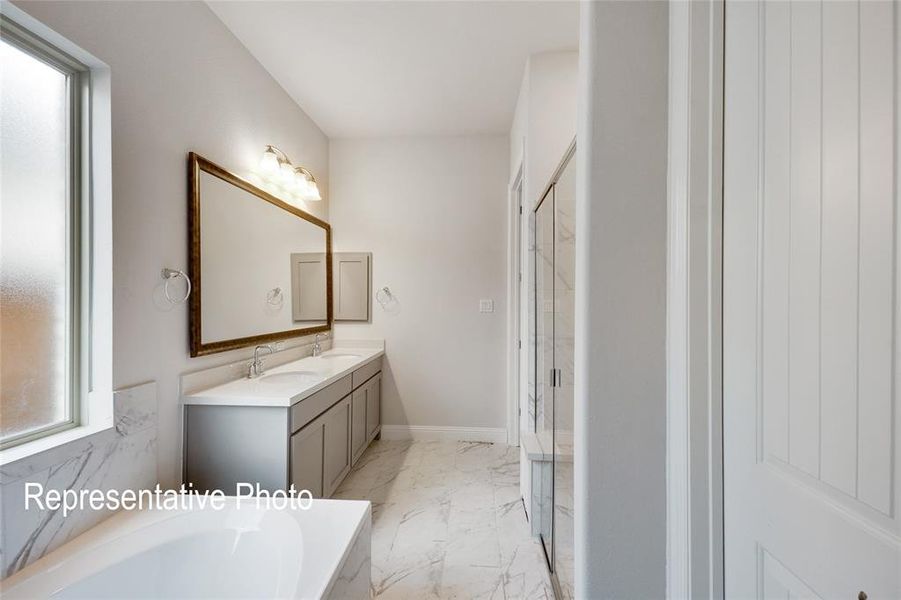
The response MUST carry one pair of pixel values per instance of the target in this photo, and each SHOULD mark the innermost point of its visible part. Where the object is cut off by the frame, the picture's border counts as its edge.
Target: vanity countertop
(289, 383)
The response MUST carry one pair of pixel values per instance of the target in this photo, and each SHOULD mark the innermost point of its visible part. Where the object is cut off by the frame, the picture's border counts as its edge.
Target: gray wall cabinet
(313, 444)
(352, 286)
(309, 295)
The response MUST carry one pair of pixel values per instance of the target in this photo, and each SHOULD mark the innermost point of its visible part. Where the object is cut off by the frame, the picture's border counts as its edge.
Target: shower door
(554, 326)
(564, 391)
(543, 299)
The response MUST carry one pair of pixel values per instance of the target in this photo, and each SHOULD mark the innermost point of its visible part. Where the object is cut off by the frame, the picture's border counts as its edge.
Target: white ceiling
(367, 69)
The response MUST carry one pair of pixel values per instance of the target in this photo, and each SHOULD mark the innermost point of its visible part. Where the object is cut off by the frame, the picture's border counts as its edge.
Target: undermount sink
(337, 355)
(291, 377)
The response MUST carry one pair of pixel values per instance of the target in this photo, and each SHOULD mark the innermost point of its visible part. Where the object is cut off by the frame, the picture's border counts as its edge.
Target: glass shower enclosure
(553, 312)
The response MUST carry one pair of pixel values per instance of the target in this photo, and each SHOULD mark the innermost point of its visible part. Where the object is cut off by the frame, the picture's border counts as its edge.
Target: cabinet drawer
(309, 408)
(365, 372)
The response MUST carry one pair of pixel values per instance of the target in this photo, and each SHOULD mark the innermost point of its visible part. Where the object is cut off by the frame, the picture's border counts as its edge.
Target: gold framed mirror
(261, 268)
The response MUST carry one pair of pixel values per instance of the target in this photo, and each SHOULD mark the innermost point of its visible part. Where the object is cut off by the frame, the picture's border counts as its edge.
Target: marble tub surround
(262, 392)
(237, 548)
(122, 457)
(353, 580)
(447, 521)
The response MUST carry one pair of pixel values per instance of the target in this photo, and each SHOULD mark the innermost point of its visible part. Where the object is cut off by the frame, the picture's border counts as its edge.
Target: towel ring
(387, 293)
(274, 296)
(168, 275)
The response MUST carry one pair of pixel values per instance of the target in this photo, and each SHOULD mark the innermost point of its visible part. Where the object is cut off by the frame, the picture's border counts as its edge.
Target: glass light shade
(301, 185)
(313, 192)
(269, 162)
(286, 174)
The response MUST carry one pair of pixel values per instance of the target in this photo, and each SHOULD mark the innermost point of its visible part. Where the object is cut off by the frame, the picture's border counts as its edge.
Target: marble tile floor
(447, 522)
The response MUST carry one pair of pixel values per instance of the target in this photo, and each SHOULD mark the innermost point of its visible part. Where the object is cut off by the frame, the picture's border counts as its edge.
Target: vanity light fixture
(276, 169)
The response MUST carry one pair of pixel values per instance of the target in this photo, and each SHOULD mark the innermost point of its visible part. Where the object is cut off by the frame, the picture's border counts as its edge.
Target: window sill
(47, 443)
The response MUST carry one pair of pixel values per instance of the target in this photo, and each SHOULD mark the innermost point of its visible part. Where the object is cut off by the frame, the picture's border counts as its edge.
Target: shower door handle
(556, 378)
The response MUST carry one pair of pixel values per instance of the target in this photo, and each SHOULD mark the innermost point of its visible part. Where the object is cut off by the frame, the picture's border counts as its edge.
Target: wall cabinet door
(352, 286)
(336, 458)
(306, 459)
(308, 283)
(358, 431)
(373, 405)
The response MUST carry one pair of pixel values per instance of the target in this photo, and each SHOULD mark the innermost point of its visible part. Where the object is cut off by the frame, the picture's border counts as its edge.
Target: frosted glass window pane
(34, 247)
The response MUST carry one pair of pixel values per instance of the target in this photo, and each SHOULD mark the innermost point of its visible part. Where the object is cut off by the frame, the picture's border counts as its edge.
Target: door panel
(810, 317)
(336, 453)
(306, 459)
(373, 406)
(358, 423)
(308, 280)
(352, 285)
(878, 178)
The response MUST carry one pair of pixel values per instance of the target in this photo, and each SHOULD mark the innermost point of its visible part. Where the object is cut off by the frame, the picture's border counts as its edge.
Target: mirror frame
(196, 164)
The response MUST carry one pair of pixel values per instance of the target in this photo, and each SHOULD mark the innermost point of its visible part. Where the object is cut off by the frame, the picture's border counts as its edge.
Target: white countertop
(286, 390)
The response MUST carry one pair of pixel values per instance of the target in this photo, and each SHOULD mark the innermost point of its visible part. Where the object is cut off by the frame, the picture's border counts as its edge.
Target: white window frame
(90, 243)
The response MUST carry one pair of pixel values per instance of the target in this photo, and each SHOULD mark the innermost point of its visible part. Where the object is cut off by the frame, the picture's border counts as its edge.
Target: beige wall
(180, 82)
(433, 213)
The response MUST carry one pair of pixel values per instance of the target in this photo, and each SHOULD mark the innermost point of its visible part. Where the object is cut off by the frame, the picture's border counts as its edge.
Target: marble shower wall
(123, 457)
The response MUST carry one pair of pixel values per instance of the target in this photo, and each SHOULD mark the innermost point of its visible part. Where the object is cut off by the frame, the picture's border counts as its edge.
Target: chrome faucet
(256, 367)
(317, 347)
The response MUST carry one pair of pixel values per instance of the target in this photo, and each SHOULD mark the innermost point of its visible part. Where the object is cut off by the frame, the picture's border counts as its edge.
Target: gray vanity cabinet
(320, 451)
(358, 435)
(336, 446)
(312, 444)
(306, 458)
(373, 406)
(366, 407)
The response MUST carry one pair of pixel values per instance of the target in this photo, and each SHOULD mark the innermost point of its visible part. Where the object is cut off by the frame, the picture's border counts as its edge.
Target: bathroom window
(44, 103)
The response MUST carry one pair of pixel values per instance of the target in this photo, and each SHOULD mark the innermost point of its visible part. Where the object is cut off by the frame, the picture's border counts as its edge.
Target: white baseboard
(495, 435)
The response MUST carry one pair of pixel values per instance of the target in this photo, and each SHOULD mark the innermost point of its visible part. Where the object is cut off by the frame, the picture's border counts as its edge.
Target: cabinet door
(373, 405)
(358, 431)
(308, 286)
(336, 459)
(306, 459)
(351, 271)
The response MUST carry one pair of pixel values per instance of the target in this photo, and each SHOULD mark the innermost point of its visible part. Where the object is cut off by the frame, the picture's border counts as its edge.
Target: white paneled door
(812, 421)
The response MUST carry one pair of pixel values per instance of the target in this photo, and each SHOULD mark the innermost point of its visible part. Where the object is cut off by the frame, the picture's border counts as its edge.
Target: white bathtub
(238, 552)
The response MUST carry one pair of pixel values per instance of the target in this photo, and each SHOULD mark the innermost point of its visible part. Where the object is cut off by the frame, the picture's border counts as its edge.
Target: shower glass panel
(553, 311)
(530, 424)
(544, 359)
(564, 392)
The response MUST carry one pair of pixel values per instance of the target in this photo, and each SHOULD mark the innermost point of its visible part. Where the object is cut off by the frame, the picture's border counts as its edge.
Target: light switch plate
(486, 305)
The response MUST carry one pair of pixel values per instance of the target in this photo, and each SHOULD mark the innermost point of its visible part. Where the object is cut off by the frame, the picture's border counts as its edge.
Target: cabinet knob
(862, 596)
